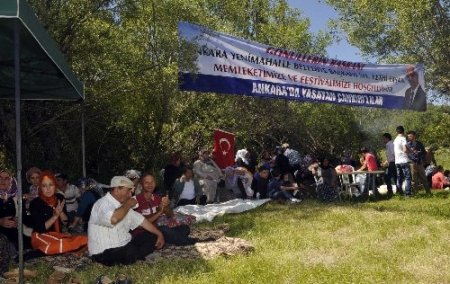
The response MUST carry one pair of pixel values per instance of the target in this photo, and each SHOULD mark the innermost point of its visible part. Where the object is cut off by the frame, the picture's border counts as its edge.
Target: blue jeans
(280, 194)
(404, 173)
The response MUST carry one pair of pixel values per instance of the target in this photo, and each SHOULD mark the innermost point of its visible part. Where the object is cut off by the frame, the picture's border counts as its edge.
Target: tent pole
(18, 143)
(83, 144)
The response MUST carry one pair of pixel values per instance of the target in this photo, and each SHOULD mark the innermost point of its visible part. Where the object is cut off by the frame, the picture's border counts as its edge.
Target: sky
(319, 13)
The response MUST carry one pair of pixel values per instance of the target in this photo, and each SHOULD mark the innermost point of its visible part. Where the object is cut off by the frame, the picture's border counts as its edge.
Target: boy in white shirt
(402, 161)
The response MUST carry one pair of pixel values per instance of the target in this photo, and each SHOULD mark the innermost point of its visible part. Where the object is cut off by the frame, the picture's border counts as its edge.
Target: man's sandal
(56, 277)
(122, 279)
(103, 279)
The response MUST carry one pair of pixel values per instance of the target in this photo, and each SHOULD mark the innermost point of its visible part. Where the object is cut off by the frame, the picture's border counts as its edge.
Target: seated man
(260, 182)
(71, 194)
(186, 189)
(279, 189)
(112, 218)
(155, 208)
(90, 195)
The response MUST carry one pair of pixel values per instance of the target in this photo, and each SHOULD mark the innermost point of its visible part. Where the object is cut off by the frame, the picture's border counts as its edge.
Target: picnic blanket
(210, 211)
(212, 243)
(224, 246)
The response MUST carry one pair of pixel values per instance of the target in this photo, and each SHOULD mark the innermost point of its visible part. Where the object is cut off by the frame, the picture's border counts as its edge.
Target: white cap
(121, 181)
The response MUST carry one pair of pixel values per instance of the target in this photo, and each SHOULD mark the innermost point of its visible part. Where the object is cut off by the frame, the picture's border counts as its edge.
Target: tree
(127, 54)
(402, 31)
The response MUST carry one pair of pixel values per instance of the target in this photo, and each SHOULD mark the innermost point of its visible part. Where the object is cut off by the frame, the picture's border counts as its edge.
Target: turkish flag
(223, 148)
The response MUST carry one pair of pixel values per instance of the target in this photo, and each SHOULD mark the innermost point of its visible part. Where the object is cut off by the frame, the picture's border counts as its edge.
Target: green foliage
(402, 31)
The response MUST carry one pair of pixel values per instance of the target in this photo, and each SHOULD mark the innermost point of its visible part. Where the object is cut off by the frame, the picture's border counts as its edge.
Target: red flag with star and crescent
(223, 148)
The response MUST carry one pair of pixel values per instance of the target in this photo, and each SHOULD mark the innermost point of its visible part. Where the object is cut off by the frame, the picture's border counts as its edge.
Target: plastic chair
(347, 184)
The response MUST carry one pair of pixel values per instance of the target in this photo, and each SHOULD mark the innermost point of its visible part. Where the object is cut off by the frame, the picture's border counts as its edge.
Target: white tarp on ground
(210, 211)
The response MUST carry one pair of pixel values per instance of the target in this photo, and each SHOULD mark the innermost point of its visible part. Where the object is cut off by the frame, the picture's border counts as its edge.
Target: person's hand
(8, 222)
(59, 208)
(131, 202)
(165, 201)
(4, 196)
(182, 178)
(160, 241)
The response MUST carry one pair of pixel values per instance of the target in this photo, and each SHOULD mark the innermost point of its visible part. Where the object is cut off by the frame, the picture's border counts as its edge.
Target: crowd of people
(127, 220)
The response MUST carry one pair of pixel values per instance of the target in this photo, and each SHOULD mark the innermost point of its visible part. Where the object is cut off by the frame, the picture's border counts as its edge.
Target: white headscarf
(243, 155)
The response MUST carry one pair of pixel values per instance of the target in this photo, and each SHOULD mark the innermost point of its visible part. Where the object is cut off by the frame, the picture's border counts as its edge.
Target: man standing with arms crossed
(402, 161)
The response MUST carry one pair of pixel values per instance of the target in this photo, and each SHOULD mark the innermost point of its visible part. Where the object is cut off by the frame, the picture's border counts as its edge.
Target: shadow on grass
(167, 270)
(436, 205)
(248, 221)
(253, 221)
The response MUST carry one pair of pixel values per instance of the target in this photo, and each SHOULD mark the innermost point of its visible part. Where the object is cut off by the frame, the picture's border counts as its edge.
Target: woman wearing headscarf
(326, 180)
(47, 212)
(8, 220)
(32, 176)
(9, 210)
(135, 177)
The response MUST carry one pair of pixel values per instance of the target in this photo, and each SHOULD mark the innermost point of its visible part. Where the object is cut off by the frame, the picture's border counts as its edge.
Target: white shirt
(103, 235)
(390, 154)
(400, 156)
(188, 190)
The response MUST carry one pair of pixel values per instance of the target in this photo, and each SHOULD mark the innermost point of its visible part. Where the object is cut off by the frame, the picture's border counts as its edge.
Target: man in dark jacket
(417, 155)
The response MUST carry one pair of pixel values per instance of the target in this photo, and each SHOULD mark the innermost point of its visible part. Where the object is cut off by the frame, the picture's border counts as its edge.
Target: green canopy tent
(31, 68)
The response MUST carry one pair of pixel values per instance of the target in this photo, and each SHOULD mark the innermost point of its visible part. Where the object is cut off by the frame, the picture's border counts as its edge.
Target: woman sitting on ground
(48, 215)
(186, 189)
(326, 180)
(32, 176)
(439, 180)
(8, 208)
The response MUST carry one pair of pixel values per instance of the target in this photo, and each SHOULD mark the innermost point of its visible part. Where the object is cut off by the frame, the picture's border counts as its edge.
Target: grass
(391, 241)
(443, 157)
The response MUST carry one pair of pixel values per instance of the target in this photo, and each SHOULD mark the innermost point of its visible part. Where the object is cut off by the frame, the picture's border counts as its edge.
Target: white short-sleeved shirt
(400, 156)
(103, 235)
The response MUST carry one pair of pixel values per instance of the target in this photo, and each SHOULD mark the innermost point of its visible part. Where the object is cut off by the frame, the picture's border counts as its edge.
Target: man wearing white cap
(112, 217)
